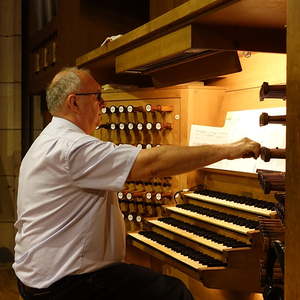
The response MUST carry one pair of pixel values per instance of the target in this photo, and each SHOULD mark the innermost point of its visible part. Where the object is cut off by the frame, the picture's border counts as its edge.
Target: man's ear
(72, 103)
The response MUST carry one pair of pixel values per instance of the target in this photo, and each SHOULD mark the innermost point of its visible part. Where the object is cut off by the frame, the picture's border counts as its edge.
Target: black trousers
(116, 282)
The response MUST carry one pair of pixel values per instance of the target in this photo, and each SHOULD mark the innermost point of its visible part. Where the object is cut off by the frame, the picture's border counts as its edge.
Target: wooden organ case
(209, 235)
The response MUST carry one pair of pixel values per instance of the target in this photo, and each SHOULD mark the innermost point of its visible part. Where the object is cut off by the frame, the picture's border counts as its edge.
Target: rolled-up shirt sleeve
(98, 165)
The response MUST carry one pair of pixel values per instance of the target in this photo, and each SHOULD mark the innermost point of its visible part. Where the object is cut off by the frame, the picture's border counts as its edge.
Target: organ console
(211, 233)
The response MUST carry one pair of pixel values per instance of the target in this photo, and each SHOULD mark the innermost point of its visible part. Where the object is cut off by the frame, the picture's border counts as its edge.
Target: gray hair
(64, 83)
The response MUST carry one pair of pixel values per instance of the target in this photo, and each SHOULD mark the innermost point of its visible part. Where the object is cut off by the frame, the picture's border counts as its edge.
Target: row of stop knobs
(131, 109)
(144, 195)
(139, 126)
(142, 210)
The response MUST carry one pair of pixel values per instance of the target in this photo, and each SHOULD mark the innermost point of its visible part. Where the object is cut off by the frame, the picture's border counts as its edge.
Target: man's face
(90, 105)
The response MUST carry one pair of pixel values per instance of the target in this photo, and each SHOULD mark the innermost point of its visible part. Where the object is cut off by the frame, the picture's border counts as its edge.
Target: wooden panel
(256, 68)
(38, 118)
(137, 256)
(196, 40)
(10, 59)
(292, 259)
(158, 7)
(175, 15)
(235, 183)
(200, 105)
(8, 190)
(7, 238)
(250, 13)
(10, 17)
(200, 292)
(167, 46)
(247, 99)
(10, 103)
(8, 285)
(202, 69)
(10, 152)
(243, 87)
(243, 38)
(195, 11)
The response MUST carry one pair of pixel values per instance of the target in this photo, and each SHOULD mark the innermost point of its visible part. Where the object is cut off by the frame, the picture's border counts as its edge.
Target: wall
(10, 137)
(10, 119)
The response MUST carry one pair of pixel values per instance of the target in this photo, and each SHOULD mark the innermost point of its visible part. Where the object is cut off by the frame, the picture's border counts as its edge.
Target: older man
(70, 241)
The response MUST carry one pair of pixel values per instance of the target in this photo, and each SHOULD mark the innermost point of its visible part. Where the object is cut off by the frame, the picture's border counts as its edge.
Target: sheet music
(241, 124)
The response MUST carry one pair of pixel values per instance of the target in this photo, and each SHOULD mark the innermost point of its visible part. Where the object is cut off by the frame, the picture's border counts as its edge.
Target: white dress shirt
(69, 221)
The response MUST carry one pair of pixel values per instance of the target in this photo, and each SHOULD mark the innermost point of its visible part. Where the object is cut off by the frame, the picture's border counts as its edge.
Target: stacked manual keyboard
(212, 236)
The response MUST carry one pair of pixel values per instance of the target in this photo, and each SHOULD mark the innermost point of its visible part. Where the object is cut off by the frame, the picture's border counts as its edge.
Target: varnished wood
(292, 268)
(158, 7)
(8, 285)
(194, 9)
(199, 38)
(172, 17)
(226, 29)
(211, 66)
(169, 45)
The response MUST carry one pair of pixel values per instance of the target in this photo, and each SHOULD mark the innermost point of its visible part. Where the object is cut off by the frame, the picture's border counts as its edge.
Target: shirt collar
(65, 123)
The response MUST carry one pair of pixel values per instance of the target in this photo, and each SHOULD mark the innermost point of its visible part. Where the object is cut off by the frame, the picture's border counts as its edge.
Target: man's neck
(72, 119)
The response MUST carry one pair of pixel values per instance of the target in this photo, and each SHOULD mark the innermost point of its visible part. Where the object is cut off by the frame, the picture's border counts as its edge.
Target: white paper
(240, 124)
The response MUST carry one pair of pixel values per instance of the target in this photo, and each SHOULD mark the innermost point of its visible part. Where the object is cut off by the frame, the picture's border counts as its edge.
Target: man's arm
(173, 160)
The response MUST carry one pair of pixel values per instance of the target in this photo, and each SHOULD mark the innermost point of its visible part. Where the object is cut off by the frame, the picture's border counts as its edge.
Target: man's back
(69, 221)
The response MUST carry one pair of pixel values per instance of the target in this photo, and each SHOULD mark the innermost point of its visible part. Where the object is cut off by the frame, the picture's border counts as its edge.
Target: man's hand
(244, 148)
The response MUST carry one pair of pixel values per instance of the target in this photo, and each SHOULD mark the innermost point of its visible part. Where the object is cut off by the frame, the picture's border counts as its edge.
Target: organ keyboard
(197, 234)
(166, 246)
(213, 217)
(255, 206)
(212, 236)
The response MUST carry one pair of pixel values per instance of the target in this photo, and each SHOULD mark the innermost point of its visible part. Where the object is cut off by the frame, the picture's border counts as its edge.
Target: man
(70, 242)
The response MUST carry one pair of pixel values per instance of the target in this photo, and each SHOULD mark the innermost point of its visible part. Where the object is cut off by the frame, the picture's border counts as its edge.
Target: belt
(54, 286)
(33, 291)
(61, 282)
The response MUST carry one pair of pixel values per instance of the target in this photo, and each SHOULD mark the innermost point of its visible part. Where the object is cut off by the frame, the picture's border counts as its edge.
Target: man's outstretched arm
(173, 160)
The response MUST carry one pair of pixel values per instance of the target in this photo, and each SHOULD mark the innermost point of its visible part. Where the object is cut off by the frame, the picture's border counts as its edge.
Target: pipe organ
(206, 224)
